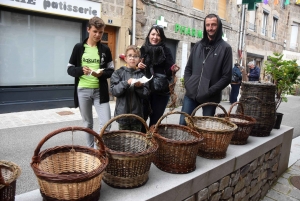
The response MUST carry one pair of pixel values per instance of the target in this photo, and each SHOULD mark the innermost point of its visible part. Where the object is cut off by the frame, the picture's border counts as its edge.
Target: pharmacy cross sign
(251, 3)
(162, 22)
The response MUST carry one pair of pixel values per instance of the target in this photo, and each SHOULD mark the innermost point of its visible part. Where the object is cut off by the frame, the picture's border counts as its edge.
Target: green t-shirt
(91, 59)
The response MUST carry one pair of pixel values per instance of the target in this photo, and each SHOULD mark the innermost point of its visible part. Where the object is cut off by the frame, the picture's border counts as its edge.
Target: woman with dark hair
(156, 59)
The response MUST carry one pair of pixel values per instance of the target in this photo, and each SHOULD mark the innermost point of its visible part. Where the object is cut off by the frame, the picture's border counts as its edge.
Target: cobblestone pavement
(282, 190)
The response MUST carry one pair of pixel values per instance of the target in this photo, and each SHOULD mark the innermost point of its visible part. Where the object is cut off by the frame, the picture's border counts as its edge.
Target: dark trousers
(235, 90)
(189, 105)
(154, 108)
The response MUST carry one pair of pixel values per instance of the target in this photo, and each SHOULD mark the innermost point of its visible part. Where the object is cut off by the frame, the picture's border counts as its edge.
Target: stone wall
(251, 182)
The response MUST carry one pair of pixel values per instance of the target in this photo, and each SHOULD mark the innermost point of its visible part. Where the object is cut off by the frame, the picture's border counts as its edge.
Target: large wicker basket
(70, 172)
(130, 155)
(217, 133)
(243, 122)
(9, 172)
(177, 146)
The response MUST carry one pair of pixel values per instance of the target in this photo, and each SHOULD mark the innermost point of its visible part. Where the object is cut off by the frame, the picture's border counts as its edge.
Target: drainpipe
(240, 51)
(133, 21)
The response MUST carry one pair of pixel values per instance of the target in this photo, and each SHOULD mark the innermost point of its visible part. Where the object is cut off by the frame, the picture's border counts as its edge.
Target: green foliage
(284, 73)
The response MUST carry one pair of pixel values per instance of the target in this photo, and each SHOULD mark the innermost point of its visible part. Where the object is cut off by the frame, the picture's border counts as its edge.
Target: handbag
(235, 78)
(159, 83)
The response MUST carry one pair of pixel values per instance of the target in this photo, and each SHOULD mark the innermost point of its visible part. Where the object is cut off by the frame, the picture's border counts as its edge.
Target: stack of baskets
(244, 123)
(130, 155)
(9, 172)
(177, 146)
(217, 133)
(258, 100)
(70, 172)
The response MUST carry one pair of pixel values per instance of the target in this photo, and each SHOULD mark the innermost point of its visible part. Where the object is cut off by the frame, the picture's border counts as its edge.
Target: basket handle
(169, 113)
(209, 103)
(234, 104)
(122, 116)
(36, 158)
(1, 178)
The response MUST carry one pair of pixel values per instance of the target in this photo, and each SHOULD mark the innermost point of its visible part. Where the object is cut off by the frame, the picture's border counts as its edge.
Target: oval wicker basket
(177, 146)
(9, 172)
(70, 172)
(217, 133)
(130, 155)
(243, 122)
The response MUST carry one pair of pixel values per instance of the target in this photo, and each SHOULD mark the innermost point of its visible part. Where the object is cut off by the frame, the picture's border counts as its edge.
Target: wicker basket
(243, 122)
(263, 112)
(70, 172)
(258, 100)
(177, 146)
(9, 172)
(217, 133)
(130, 155)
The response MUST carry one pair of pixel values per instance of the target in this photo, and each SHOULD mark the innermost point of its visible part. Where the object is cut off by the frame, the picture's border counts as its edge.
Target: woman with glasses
(156, 59)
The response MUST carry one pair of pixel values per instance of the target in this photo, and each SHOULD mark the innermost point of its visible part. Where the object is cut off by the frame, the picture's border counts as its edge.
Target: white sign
(289, 55)
(184, 59)
(73, 8)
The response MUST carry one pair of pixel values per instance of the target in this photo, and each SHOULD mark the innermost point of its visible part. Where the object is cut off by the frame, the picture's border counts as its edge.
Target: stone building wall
(249, 183)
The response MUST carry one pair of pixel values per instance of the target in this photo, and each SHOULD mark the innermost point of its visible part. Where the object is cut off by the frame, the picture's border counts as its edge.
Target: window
(222, 9)
(274, 28)
(264, 23)
(36, 50)
(198, 4)
(294, 36)
(252, 19)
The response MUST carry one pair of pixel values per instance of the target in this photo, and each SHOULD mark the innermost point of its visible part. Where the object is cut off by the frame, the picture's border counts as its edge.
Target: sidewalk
(282, 190)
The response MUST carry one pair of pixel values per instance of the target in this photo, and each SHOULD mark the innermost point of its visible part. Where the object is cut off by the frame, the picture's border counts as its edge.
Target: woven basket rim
(233, 126)
(14, 168)
(151, 149)
(58, 178)
(198, 136)
(250, 119)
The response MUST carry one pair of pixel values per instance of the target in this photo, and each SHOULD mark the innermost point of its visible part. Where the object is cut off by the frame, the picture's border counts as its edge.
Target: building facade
(37, 37)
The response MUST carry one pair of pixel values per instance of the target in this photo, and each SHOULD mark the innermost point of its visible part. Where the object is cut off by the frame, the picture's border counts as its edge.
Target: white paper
(142, 80)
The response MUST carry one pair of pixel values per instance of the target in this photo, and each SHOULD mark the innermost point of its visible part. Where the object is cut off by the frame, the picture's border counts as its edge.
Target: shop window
(198, 4)
(36, 50)
(222, 9)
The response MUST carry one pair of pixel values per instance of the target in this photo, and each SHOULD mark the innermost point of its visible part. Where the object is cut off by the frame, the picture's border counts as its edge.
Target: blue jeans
(235, 89)
(189, 105)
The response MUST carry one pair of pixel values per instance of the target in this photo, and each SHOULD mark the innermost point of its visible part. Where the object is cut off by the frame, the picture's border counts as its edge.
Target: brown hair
(134, 48)
(97, 22)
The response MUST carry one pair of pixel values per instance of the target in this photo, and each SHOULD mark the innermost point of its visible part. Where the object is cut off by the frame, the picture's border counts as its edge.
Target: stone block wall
(249, 183)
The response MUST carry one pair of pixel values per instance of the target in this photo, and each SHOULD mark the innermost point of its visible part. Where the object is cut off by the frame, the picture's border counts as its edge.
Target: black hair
(159, 30)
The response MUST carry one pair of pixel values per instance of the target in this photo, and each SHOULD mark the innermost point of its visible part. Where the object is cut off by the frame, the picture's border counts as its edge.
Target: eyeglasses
(132, 56)
(156, 25)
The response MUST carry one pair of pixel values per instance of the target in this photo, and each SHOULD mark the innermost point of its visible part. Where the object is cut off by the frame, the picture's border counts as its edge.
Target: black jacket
(206, 77)
(129, 98)
(75, 69)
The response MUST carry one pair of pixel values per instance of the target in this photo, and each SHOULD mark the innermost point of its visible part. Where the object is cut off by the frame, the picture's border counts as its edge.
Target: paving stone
(283, 181)
(282, 188)
(279, 196)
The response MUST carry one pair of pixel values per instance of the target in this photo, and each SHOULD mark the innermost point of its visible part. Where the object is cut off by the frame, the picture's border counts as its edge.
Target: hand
(138, 84)
(95, 74)
(141, 65)
(175, 68)
(129, 81)
(86, 70)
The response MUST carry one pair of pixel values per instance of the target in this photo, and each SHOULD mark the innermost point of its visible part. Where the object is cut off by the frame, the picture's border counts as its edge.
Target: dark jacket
(75, 69)
(237, 72)
(129, 98)
(254, 74)
(206, 77)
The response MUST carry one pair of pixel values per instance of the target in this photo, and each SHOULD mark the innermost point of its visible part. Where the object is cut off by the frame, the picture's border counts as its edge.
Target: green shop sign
(188, 31)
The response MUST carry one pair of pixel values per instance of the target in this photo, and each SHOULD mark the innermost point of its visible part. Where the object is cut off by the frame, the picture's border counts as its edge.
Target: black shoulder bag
(160, 83)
